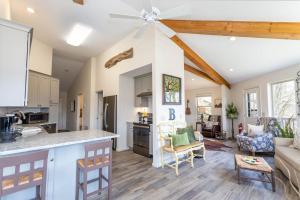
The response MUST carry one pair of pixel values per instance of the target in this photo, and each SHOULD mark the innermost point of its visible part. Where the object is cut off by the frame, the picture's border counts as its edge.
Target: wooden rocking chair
(181, 153)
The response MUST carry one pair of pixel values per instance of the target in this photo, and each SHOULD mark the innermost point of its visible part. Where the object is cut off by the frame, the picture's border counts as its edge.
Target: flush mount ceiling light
(231, 69)
(30, 10)
(193, 79)
(232, 38)
(78, 34)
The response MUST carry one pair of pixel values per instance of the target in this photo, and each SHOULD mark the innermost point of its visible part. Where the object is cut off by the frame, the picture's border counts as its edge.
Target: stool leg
(38, 192)
(109, 180)
(84, 185)
(77, 183)
(100, 180)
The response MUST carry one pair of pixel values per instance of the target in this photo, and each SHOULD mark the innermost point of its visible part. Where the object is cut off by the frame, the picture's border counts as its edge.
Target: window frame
(246, 92)
(271, 97)
(204, 106)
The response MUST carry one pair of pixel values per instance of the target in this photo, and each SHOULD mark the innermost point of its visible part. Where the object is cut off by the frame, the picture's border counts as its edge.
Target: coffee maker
(7, 130)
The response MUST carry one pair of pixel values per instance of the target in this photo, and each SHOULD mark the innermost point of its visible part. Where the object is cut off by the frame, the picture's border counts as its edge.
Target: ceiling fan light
(78, 34)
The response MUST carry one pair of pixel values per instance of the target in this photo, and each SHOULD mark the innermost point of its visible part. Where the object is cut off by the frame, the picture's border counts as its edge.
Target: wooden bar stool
(101, 157)
(22, 177)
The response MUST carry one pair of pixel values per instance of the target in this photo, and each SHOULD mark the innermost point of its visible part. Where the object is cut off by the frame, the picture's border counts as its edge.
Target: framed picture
(218, 103)
(72, 106)
(171, 90)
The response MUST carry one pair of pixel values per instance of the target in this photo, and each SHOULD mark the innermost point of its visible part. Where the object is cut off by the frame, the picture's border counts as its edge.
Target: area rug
(215, 145)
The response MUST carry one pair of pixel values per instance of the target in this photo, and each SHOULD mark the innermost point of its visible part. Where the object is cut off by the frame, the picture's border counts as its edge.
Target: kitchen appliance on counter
(142, 139)
(110, 116)
(35, 118)
(49, 128)
(8, 131)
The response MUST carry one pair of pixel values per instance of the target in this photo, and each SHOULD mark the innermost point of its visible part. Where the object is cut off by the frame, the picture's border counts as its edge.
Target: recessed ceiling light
(232, 38)
(30, 10)
(231, 69)
(78, 34)
(193, 79)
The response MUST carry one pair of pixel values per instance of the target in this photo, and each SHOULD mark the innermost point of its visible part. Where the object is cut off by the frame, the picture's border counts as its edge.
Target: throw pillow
(255, 130)
(190, 132)
(180, 139)
(296, 143)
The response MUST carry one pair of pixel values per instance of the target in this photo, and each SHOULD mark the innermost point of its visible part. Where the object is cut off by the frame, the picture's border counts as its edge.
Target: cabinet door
(33, 90)
(44, 91)
(13, 66)
(54, 95)
(53, 113)
(129, 134)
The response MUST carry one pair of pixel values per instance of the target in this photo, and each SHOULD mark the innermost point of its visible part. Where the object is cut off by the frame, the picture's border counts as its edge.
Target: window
(252, 103)
(284, 99)
(204, 107)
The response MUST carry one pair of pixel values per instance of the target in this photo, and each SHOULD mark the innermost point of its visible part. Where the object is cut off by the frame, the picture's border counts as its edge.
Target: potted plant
(232, 113)
(286, 133)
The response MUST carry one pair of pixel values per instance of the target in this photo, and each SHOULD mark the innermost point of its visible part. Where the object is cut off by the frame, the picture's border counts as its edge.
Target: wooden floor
(135, 178)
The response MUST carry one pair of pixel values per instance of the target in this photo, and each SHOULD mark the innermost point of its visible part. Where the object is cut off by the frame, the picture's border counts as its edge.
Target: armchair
(212, 126)
(259, 143)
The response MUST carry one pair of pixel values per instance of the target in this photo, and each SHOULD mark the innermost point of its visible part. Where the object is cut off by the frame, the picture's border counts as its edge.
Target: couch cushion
(290, 155)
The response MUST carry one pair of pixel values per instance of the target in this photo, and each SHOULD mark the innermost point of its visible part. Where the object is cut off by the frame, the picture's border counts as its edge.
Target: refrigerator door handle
(105, 116)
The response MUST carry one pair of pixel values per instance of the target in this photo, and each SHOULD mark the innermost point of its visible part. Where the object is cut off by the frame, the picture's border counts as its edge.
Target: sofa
(287, 159)
(212, 126)
(260, 143)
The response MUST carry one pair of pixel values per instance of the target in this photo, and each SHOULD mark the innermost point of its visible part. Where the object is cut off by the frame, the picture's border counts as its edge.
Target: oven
(141, 139)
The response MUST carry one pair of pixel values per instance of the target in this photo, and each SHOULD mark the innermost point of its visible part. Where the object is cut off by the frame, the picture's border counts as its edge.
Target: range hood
(144, 94)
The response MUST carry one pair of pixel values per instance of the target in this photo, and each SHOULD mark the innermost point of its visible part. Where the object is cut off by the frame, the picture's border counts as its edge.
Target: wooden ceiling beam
(199, 62)
(276, 30)
(197, 72)
(81, 2)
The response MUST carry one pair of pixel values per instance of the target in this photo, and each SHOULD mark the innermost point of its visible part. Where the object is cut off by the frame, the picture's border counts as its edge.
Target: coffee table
(263, 167)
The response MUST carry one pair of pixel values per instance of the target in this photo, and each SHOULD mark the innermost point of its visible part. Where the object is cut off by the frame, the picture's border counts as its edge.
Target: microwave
(35, 118)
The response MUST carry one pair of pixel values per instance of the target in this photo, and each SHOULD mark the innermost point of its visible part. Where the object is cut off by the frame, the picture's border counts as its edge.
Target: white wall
(152, 48)
(5, 9)
(226, 99)
(214, 92)
(262, 82)
(40, 59)
(82, 85)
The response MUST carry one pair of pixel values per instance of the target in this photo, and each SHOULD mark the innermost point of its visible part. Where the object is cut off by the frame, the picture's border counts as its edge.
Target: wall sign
(172, 115)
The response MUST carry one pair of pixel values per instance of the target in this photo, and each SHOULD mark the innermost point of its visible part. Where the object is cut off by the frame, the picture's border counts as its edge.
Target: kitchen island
(64, 150)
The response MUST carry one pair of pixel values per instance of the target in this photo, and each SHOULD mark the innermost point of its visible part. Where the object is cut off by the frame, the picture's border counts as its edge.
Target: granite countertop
(47, 141)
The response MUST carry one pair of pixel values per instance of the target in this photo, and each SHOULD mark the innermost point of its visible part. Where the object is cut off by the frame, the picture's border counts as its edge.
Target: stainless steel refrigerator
(110, 116)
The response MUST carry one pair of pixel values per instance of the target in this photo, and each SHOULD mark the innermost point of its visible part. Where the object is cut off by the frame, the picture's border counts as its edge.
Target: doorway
(80, 107)
(99, 118)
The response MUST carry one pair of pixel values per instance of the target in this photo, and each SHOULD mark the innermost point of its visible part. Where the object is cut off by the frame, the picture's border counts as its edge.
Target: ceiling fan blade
(164, 29)
(180, 11)
(81, 2)
(141, 30)
(120, 16)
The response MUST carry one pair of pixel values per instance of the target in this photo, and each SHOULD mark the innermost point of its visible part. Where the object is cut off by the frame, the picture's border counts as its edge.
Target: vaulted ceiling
(236, 60)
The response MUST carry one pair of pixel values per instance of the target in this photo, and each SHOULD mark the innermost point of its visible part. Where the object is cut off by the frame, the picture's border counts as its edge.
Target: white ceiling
(249, 57)
(193, 81)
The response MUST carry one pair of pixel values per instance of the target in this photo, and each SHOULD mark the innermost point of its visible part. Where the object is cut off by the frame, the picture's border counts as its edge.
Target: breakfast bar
(64, 151)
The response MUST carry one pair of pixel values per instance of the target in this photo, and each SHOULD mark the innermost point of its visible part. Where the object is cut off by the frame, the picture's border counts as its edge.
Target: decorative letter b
(172, 114)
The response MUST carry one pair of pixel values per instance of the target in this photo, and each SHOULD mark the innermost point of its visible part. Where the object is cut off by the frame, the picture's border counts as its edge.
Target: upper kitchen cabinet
(143, 90)
(39, 90)
(15, 43)
(41, 57)
(54, 91)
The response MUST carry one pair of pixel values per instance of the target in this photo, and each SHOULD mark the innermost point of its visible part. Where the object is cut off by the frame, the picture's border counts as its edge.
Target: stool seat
(9, 183)
(90, 163)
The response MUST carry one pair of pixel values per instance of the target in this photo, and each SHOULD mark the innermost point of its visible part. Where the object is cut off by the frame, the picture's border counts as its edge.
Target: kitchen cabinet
(14, 53)
(143, 84)
(38, 90)
(130, 134)
(53, 113)
(54, 91)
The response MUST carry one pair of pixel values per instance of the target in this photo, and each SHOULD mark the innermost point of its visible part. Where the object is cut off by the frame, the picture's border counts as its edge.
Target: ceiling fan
(152, 15)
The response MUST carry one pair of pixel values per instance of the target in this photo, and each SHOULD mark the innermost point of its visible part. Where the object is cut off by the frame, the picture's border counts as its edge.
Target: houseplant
(286, 133)
(232, 113)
